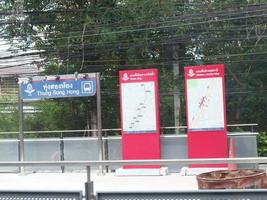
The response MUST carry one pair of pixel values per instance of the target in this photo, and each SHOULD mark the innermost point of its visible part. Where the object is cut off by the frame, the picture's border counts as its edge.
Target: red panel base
(139, 147)
(210, 144)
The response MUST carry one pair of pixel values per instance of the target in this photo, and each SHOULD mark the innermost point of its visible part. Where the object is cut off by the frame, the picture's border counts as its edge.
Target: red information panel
(206, 117)
(140, 115)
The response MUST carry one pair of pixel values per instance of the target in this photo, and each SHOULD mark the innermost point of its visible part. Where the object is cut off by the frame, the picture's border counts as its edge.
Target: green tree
(91, 36)
(108, 36)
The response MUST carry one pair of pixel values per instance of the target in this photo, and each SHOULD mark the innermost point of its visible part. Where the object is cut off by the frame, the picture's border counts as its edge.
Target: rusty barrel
(233, 179)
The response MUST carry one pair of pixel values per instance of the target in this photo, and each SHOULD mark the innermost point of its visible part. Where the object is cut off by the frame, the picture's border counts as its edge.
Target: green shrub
(262, 144)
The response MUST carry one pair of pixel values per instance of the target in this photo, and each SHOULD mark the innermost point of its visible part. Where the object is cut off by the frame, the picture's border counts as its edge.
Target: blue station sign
(57, 86)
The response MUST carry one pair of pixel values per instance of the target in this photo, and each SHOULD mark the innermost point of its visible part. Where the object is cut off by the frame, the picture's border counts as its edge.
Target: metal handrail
(97, 163)
(54, 139)
(114, 129)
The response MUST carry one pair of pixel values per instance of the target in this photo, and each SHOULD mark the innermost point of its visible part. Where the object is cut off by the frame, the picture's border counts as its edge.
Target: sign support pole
(99, 121)
(21, 132)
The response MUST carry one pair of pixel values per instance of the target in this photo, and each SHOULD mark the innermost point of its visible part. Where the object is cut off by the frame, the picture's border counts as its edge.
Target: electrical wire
(162, 43)
(78, 36)
(177, 20)
(156, 28)
(174, 20)
(128, 41)
(228, 5)
(181, 58)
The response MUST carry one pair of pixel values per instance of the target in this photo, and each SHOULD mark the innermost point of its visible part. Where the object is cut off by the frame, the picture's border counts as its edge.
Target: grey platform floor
(108, 182)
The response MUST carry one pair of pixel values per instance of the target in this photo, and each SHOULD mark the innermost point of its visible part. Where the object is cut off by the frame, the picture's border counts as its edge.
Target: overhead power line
(105, 50)
(156, 28)
(183, 17)
(167, 26)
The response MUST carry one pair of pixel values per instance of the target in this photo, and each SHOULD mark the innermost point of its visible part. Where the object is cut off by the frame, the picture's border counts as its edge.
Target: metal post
(105, 146)
(99, 122)
(21, 131)
(62, 151)
(89, 186)
(252, 128)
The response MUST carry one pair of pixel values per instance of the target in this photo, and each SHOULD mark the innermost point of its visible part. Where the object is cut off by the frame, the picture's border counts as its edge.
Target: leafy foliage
(108, 36)
(262, 144)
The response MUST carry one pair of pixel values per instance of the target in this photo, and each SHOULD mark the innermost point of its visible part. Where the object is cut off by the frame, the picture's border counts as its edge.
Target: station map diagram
(205, 104)
(138, 106)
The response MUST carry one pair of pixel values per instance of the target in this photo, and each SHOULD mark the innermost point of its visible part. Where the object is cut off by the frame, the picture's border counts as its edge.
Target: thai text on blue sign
(57, 87)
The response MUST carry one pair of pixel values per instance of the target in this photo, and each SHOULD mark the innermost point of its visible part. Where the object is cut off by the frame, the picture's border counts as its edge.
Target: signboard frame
(209, 140)
(60, 86)
(58, 79)
(142, 143)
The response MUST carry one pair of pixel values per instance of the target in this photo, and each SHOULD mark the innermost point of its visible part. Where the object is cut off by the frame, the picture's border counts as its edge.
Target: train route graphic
(205, 104)
(138, 105)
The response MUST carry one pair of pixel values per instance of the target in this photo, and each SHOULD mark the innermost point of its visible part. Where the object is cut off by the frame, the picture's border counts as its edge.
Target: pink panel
(212, 144)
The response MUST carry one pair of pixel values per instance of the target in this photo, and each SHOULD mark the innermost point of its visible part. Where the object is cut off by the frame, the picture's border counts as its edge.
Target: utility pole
(18, 13)
(176, 92)
(18, 8)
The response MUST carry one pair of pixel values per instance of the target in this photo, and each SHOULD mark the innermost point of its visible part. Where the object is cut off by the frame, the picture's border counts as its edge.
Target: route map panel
(139, 107)
(206, 104)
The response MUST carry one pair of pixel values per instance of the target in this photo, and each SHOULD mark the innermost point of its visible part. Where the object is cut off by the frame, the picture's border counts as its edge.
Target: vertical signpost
(60, 86)
(140, 115)
(99, 122)
(21, 131)
(206, 117)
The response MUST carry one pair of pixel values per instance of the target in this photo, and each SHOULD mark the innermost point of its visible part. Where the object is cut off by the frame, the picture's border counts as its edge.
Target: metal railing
(219, 194)
(65, 149)
(251, 127)
(97, 163)
(40, 195)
